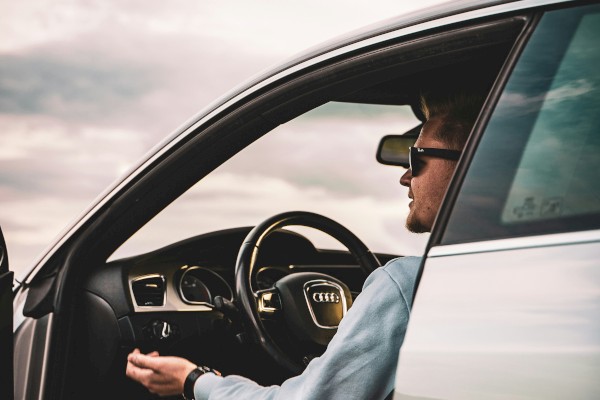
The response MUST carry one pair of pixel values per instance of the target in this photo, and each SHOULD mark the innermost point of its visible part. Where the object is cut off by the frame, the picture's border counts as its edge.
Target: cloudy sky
(87, 87)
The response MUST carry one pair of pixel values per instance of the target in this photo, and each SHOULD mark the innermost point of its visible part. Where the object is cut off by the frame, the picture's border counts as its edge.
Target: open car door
(6, 324)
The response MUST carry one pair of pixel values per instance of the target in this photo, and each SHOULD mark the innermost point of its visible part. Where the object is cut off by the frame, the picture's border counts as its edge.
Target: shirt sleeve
(360, 361)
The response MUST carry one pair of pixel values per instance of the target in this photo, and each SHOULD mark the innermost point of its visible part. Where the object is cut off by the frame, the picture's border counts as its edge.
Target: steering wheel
(312, 304)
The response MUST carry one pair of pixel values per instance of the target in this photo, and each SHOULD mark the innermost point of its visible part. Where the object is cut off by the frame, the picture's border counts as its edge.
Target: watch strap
(190, 380)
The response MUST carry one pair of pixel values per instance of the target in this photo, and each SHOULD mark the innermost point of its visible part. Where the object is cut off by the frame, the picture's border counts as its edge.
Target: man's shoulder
(403, 267)
(403, 272)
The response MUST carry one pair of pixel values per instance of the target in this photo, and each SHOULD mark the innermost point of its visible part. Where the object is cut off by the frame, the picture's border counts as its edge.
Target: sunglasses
(416, 153)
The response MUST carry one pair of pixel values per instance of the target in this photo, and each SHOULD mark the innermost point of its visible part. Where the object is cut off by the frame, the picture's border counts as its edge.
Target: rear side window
(537, 168)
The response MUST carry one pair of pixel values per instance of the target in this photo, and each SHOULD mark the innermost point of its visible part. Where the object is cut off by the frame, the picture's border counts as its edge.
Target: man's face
(428, 188)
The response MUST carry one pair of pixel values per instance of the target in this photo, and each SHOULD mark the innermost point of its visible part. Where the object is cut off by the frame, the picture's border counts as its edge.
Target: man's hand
(160, 375)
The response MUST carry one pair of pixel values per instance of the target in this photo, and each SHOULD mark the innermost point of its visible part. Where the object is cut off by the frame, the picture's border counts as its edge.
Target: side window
(537, 167)
(322, 161)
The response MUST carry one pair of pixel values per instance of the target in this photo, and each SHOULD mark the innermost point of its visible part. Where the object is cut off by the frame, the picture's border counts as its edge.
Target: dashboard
(165, 300)
(187, 276)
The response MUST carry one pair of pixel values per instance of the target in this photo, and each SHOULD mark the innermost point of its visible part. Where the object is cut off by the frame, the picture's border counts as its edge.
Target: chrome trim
(180, 291)
(193, 268)
(23, 347)
(18, 306)
(312, 267)
(320, 297)
(149, 276)
(212, 110)
(31, 354)
(45, 366)
(324, 283)
(261, 301)
(556, 239)
(173, 301)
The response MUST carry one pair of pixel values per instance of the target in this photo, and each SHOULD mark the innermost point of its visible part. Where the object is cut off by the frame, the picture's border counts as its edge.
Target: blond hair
(458, 111)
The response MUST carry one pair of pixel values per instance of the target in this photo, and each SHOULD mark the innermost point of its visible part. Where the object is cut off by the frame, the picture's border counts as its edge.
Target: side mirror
(394, 149)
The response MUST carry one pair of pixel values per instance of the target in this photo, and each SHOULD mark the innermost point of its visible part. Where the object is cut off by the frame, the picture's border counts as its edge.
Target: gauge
(200, 285)
(193, 290)
(266, 277)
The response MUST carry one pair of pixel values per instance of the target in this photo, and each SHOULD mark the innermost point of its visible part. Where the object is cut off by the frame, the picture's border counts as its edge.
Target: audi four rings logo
(326, 297)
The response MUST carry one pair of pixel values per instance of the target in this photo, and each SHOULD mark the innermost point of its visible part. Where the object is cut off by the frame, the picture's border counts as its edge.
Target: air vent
(149, 291)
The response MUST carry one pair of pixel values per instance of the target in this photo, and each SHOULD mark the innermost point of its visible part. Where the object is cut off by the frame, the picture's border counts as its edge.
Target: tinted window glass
(536, 169)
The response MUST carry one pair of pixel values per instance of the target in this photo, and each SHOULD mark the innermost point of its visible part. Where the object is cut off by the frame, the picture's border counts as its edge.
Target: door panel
(505, 324)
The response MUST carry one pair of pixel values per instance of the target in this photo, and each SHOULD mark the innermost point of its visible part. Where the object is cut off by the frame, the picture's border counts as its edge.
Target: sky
(88, 87)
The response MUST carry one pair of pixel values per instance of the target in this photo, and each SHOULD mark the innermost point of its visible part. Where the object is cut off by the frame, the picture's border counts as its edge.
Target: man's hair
(458, 110)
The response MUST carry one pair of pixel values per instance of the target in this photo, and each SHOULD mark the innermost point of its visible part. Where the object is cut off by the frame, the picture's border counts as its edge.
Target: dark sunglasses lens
(414, 161)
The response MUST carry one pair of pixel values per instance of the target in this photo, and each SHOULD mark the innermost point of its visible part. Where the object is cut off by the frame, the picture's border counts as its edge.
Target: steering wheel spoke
(268, 302)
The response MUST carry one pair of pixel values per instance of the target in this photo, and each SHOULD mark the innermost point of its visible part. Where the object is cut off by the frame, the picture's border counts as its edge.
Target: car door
(6, 323)
(508, 301)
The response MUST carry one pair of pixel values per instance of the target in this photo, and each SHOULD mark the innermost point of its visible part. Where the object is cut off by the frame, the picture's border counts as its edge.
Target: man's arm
(360, 361)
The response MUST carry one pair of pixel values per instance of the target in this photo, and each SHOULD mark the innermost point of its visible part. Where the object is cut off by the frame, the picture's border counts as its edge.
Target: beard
(414, 225)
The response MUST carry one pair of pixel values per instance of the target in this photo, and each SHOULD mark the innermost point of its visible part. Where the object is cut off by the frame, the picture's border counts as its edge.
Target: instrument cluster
(199, 285)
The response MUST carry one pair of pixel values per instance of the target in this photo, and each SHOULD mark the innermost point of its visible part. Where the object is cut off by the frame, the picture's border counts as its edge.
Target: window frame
(440, 234)
(477, 132)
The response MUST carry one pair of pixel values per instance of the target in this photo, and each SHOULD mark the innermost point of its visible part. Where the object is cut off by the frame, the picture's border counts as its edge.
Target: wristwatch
(190, 380)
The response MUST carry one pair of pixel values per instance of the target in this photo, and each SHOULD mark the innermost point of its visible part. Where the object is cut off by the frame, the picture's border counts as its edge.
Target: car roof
(391, 24)
(439, 15)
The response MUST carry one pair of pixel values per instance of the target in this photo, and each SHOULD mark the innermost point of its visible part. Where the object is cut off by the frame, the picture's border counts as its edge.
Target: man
(449, 118)
(360, 361)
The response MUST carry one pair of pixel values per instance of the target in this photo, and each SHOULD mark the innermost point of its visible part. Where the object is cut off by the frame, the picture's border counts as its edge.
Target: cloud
(355, 190)
(135, 85)
(323, 163)
(86, 88)
(339, 139)
(30, 224)
(71, 168)
(119, 71)
(119, 63)
(513, 103)
(272, 28)
(71, 89)
(569, 90)
(230, 200)
(32, 23)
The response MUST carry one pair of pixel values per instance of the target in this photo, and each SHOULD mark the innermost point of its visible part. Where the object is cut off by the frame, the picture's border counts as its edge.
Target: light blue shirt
(360, 361)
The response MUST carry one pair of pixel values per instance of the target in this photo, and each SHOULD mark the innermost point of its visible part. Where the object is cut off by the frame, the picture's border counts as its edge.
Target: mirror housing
(394, 149)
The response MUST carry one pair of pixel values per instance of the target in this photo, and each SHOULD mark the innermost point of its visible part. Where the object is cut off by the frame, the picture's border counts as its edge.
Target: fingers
(155, 382)
(137, 351)
(161, 375)
(145, 361)
(151, 360)
(138, 374)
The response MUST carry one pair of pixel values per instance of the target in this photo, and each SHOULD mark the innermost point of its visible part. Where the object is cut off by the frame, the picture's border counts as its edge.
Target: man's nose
(406, 178)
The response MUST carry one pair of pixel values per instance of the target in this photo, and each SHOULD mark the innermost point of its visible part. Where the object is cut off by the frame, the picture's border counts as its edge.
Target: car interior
(192, 297)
